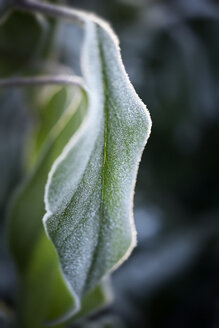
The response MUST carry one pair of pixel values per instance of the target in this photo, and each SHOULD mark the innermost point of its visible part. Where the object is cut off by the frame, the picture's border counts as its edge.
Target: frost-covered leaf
(89, 192)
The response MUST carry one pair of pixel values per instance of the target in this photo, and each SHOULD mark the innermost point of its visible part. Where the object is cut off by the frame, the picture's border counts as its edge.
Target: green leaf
(97, 298)
(89, 192)
(44, 295)
(31, 195)
(50, 103)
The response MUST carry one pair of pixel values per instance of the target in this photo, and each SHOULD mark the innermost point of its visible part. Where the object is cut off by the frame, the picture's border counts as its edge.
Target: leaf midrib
(101, 211)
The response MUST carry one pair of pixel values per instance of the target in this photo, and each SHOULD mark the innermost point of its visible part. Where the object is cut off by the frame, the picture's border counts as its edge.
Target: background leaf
(50, 103)
(25, 43)
(44, 295)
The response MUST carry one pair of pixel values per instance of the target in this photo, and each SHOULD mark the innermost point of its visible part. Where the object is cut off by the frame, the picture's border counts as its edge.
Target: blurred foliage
(17, 51)
(170, 50)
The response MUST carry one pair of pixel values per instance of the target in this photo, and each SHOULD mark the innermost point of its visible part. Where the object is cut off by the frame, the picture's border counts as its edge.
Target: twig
(42, 80)
(77, 16)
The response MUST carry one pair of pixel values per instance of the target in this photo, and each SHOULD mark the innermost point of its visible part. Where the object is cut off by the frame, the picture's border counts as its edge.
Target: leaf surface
(89, 192)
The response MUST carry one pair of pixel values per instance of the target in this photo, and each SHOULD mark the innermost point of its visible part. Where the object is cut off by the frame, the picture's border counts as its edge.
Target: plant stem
(77, 16)
(42, 80)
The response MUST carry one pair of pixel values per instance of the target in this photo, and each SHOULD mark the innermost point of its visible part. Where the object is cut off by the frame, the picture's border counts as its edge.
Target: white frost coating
(89, 192)
(84, 139)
